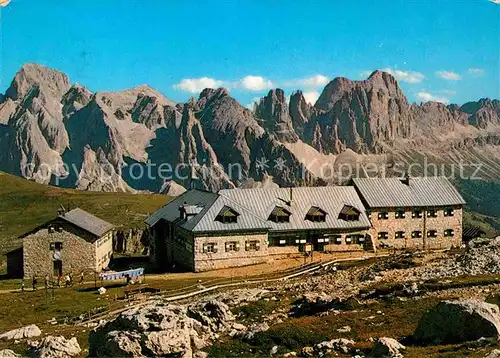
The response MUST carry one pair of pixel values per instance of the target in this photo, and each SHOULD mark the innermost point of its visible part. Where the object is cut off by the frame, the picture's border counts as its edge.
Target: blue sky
(444, 50)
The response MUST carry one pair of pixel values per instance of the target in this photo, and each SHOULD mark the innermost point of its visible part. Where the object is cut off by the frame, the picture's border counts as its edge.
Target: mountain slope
(63, 134)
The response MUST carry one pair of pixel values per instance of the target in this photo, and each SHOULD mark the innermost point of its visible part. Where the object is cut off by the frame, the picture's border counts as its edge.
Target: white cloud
(311, 96)
(406, 76)
(449, 92)
(477, 71)
(196, 85)
(448, 75)
(426, 96)
(255, 83)
(308, 82)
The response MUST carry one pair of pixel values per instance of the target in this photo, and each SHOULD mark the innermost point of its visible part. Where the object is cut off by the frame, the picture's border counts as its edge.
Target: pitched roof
(329, 199)
(254, 207)
(87, 222)
(420, 191)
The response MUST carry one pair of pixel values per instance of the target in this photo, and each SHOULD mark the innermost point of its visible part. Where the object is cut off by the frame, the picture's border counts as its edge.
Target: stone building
(73, 241)
(423, 213)
(202, 231)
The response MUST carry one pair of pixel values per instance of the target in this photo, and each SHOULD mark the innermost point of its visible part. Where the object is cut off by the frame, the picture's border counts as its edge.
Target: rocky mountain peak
(50, 82)
(273, 110)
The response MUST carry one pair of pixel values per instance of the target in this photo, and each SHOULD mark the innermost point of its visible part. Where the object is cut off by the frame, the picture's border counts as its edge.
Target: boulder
(339, 345)
(493, 354)
(458, 321)
(387, 347)
(161, 329)
(7, 353)
(23, 332)
(58, 347)
(253, 329)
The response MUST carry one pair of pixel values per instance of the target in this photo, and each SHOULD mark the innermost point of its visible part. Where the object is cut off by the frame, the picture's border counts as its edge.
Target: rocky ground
(412, 305)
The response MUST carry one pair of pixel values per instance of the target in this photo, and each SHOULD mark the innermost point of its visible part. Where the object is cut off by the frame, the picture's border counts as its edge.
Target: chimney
(291, 196)
(182, 211)
(406, 179)
(61, 211)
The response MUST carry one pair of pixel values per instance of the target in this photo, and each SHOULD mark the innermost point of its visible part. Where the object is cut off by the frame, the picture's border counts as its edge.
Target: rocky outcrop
(273, 110)
(21, 333)
(57, 347)
(7, 353)
(458, 321)
(387, 347)
(160, 329)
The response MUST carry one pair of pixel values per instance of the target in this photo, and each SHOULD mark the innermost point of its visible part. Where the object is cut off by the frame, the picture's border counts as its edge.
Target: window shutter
(215, 248)
(257, 245)
(247, 245)
(237, 246)
(204, 247)
(226, 246)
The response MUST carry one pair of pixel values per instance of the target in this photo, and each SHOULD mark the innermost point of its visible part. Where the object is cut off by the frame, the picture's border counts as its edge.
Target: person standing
(22, 286)
(59, 279)
(68, 280)
(34, 282)
(81, 278)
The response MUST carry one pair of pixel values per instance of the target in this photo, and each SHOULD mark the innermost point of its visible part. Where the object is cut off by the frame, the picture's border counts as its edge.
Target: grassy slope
(482, 207)
(25, 204)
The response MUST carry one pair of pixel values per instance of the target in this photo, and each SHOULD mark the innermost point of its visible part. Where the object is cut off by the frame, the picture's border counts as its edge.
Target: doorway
(57, 268)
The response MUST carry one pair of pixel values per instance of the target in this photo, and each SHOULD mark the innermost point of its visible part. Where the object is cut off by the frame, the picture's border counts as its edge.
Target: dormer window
(316, 214)
(280, 215)
(227, 215)
(349, 213)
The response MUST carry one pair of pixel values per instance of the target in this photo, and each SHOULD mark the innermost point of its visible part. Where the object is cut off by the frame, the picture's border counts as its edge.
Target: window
(227, 215)
(252, 245)
(449, 212)
(400, 214)
(369, 214)
(337, 239)
(51, 229)
(383, 235)
(232, 246)
(279, 215)
(282, 242)
(416, 234)
(210, 247)
(360, 239)
(432, 213)
(323, 240)
(449, 232)
(383, 215)
(316, 214)
(349, 239)
(59, 228)
(349, 213)
(417, 214)
(300, 241)
(432, 233)
(56, 246)
(400, 235)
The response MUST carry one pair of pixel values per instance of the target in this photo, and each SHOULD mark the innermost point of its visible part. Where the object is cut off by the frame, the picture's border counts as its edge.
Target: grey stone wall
(77, 254)
(424, 224)
(225, 259)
